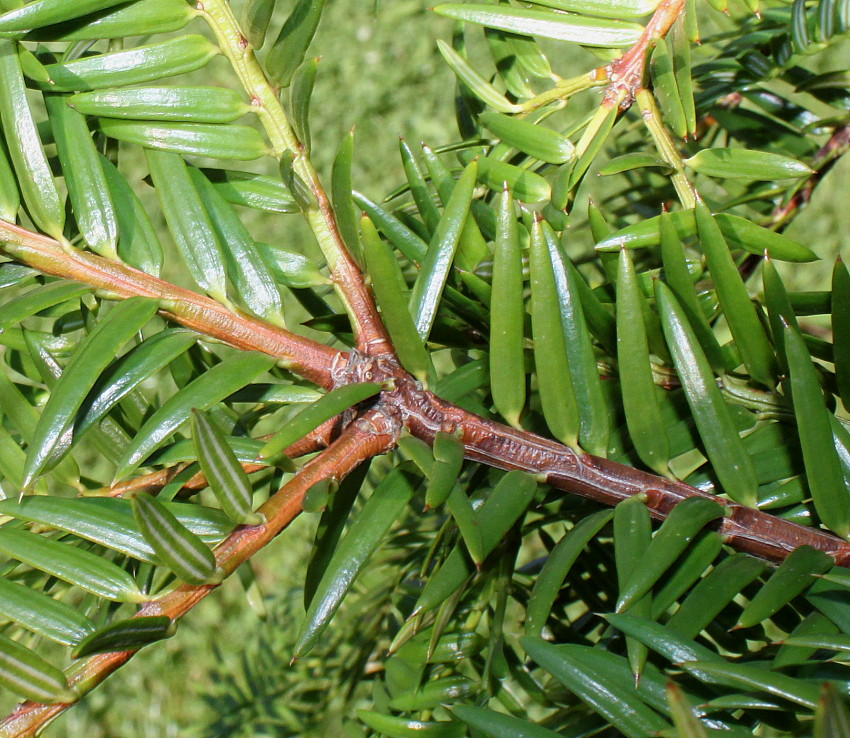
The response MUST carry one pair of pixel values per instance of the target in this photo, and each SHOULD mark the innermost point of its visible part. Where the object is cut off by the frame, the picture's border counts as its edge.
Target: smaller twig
(824, 159)
(370, 335)
(665, 146)
(373, 434)
(822, 162)
(312, 442)
(308, 358)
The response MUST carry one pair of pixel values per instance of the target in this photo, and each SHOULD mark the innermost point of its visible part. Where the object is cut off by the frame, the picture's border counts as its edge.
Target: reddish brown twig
(312, 442)
(374, 434)
(626, 73)
(308, 358)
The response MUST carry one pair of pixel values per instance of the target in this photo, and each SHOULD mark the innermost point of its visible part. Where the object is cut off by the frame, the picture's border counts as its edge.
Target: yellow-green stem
(664, 143)
(346, 276)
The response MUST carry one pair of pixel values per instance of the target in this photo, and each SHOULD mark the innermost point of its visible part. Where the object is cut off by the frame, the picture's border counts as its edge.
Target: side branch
(374, 434)
(307, 358)
(368, 328)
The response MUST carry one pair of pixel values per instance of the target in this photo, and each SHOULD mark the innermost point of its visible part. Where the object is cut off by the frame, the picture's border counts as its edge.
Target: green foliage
(514, 283)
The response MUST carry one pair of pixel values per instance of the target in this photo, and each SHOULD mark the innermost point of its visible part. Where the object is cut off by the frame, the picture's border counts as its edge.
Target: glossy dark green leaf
(401, 727)
(589, 145)
(82, 568)
(176, 104)
(747, 330)
(604, 8)
(719, 435)
(743, 676)
(507, 355)
(39, 298)
(739, 233)
(256, 16)
(49, 12)
(189, 222)
(678, 278)
(535, 140)
(594, 424)
(128, 372)
(632, 536)
(841, 328)
(823, 469)
(302, 193)
(405, 240)
(662, 640)
(692, 564)
(666, 89)
(418, 185)
(643, 415)
(94, 520)
(448, 459)
(746, 164)
(633, 160)
(513, 75)
(495, 517)
(258, 191)
(28, 675)
(138, 242)
(290, 46)
(291, 268)
(576, 28)
(372, 523)
(497, 724)
(720, 586)
(554, 379)
(428, 289)
(91, 201)
(792, 577)
(556, 568)
(434, 693)
(683, 523)
(839, 642)
(814, 626)
(88, 362)
(341, 194)
(10, 195)
(202, 393)
(618, 703)
(134, 66)
(176, 546)
(329, 406)
(189, 139)
(299, 99)
(331, 526)
(224, 473)
(525, 185)
(126, 635)
(139, 18)
(246, 268)
(35, 179)
(474, 82)
(389, 287)
(41, 614)
(680, 48)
